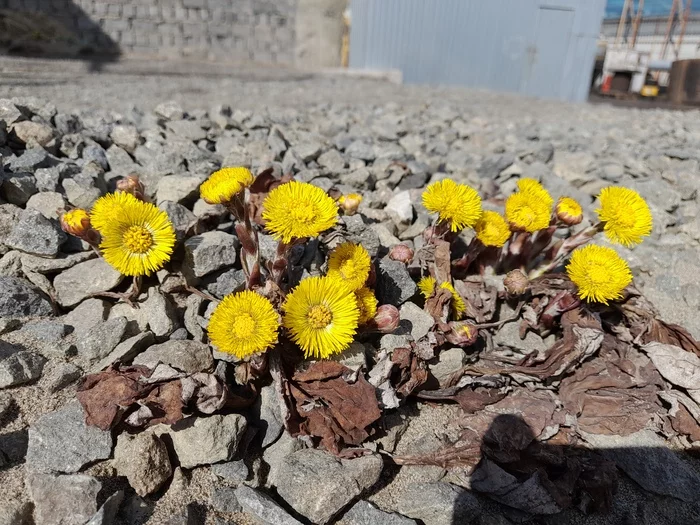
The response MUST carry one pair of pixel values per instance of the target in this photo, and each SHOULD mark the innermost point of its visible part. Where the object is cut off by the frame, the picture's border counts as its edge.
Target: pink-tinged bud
(132, 184)
(462, 333)
(350, 203)
(387, 318)
(401, 253)
(516, 282)
(569, 211)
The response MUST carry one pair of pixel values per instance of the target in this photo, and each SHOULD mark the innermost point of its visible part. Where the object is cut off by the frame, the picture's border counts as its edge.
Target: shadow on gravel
(54, 29)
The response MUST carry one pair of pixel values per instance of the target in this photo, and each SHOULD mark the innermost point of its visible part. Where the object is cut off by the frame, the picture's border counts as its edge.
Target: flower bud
(77, 222)
(462, 333)
(132, 184)
(569, 211)
(349, 203)
(516, 282)
(401, 253)
(387, 318)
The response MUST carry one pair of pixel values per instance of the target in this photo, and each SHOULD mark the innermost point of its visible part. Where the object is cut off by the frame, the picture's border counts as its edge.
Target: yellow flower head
(223, 185)
(599, 273)
(625, 215)
(457, 204)
(107, 207)
(367, 304)
(427, 285)
(243, 324)
(350, 263)
(350, 202)
(321, 315)
(492, 229)
(76, 222)
(139, 239)
(527, 212)
(533, 187)
(569, 211)
(297, 209)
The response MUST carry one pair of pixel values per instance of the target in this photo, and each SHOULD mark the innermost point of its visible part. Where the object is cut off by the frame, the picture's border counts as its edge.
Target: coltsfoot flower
(492, 229)
(321, 315)
(569, 211)
(599, 273)
(349, 203)
(107, 207)
(516, 282)
(243, 324)
(625, 215)
(76, 222)
(139, 239)
(224, 184)
(533, 187)
(350, 264)
(297, 209)
(387, 318)
(367, 304)
(401, 253)
(527, 212)
(456, 204)
(427, 285)
(133, 185)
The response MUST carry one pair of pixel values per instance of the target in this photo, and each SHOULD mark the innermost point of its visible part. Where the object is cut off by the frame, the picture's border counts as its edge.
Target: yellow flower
(321, 315)
(297, 209)
(492, 229)
(243, 324)
(625, 215)
(527, 212)
(223, 185)
(533, 187)
(367, 304)
(569, 211)
(76, 222)
(457, 204)
(350, 263)
(599, 273)
(427, 285)
(139, 239)
(107, 207)
(350, 202)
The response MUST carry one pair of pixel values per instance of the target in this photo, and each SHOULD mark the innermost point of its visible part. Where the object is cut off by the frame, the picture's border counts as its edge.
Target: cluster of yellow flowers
(598, 272)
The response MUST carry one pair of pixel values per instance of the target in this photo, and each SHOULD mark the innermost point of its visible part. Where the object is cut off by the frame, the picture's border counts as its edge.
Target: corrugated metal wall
(543, 48)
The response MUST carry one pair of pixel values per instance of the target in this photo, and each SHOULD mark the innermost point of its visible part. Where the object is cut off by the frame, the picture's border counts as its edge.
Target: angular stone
(126, 137)
(61, 441)
(207, 440)
(181, 218)
(263, 507)
(101, 339)
(234, 471)
(63, 500)
(360, 150)
(19, 366)
(125, 351)
(84, 279)
(332, 160)
(60, 376)
(96, 153)
(415, 320)
(274, 456)
(170, 110)
(47, 203)
(271, 422)
(47, 179)
(18, 298)
(336, 482)
(32, 133)
(223, 499)
(177, 188)
(143, 459)
(16, 513)
(449, 362)
(364, 513)
(187, 356)
(108, 511)
(19, 188)
(210, 251)
(400, 209)
(86, 315)
(228, 282)
(80, 196)
(394, 284)
(188, 129)
(35, 234)
(438, 503)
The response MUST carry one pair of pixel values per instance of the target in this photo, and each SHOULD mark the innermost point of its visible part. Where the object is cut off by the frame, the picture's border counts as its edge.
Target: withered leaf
(165, 403)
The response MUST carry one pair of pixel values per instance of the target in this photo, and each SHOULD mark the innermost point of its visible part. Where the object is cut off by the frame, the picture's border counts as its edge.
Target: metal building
(541, 48)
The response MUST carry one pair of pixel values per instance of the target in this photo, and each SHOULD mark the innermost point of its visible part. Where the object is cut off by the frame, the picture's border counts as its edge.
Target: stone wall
(222, 30)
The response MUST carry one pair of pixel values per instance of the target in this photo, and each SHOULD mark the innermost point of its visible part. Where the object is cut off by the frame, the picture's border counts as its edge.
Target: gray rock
(16, 513)
(234, 471)
(31, 160)
(181, 218)
(439, 503)
(266, 510)
(126, 137)
(332, 160)
(79, 195)
(177, 188)
(207, 440)
(32, 133)
(61, 441)
(228, 282)
(60, 376)
(19, 366)
(18, 188)
(47, 179)
(308, 151)
(509, 335)
(360, 150)
(125, 351)
(86, 315)
(448, 362)
(156, 313)
(67, 123)
(9, 112)
(143, 459)
(336, 482)
(354, 357)
(364, 513)
(394, 284)
(36, 234)
(170, 110)
(417, 321)
(277, 142)
(108, 511)
(210, 251)
(18, 298)
(63, 500)
(187, 356)
(645, 457)
(274, 456)
(47, 203)
(384, 235)
(223, 499)
(31, 106)
(95, 153)
(84, 279)
(6, 402)
(271, 422)
(369, 239)
(360, 178)
(101, 339)
(400, 209)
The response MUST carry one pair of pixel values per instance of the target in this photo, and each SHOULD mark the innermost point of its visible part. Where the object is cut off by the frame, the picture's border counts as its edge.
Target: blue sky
(651, 7)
